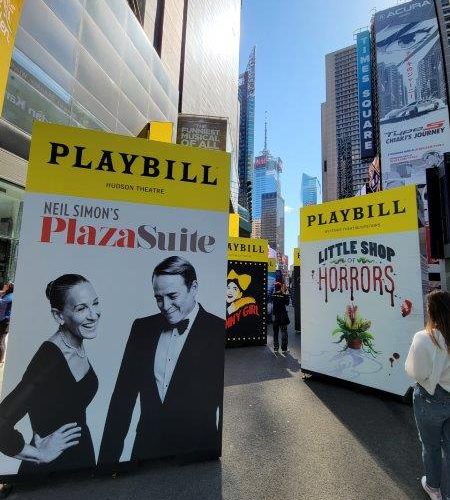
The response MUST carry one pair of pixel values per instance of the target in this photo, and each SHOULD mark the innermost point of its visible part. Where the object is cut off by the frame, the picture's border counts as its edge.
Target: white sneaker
(433, 493)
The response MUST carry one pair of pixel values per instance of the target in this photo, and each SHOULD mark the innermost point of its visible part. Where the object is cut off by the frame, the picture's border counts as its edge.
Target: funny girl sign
(362, 280)
(246, 292)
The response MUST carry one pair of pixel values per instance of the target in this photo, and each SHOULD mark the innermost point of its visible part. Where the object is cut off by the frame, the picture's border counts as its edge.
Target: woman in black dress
(57, 386)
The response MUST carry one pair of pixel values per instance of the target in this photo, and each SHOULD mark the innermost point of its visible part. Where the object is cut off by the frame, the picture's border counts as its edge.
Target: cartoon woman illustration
(236, 286)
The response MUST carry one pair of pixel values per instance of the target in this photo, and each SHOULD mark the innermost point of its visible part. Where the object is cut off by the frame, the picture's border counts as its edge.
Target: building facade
(113, 65)
(266, 179)
(343, 171)
(246, 129)
(309, 190)
(272, 221)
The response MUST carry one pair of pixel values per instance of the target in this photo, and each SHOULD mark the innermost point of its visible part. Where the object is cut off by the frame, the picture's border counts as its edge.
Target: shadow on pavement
(385, 427)
(248, 365)
(163, 479)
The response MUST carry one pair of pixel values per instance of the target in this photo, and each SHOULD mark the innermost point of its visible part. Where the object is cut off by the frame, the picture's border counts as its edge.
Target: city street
(284, 437)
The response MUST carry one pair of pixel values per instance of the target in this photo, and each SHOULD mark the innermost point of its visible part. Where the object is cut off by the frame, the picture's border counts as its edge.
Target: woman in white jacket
(428, 362)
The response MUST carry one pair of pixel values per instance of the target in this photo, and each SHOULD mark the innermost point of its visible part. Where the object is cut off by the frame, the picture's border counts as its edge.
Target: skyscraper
(272, 221)
(309, 190)
(246, 128)
(343, 171)
(268, 204)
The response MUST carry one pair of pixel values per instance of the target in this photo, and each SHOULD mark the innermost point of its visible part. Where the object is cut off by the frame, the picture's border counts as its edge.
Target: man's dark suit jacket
(186, 422)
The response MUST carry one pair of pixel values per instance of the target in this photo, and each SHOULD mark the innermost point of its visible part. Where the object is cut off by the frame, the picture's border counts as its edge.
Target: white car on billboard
(414, 109)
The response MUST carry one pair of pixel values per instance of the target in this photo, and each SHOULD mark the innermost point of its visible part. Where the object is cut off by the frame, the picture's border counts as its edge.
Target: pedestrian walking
(428, 362)
(280, 317)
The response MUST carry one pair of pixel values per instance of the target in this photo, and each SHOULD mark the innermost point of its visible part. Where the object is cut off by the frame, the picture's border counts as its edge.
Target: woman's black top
(280, 301)
(50, 395)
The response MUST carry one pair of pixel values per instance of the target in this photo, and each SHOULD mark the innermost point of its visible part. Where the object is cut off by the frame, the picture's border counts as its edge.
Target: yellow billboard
(389, 211)
(94, 164)
(9, 20)
(272, 265)
(296, 256)
(247, 249)
(233, 228)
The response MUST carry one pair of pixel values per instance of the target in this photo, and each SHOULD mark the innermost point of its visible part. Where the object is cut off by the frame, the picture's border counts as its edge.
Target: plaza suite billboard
(246, 292)
(117, 337)
(362, 287)
(364, 71)
(412, 96)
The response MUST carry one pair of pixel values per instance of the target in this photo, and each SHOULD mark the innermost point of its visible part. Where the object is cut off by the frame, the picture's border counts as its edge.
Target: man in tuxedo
(174, 362)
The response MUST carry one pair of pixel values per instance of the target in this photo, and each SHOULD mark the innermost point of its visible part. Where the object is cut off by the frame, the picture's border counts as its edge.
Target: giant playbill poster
(118, 330)
(362, 287)
(246, 292)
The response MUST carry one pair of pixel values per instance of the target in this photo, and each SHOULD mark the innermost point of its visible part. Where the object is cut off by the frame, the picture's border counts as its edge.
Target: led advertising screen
(412, 97)
(362, 287)
(116, 348)
(202, 132)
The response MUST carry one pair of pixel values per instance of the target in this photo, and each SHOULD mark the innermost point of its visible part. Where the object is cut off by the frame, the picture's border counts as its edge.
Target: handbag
(284, 319)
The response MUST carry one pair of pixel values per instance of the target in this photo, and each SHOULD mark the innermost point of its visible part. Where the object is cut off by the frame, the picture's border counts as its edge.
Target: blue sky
(292, 38)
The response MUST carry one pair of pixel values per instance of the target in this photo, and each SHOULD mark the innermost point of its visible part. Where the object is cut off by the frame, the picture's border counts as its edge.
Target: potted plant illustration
(354, 330)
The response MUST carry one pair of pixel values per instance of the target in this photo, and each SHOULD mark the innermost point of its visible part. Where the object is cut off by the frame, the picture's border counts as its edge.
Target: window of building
(10, 220)
(138, 7)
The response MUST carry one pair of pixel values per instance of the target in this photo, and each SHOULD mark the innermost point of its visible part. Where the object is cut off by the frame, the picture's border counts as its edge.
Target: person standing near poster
(280, 317)
(5, 315)
(428, 362)
(174, 362)
(57, 386)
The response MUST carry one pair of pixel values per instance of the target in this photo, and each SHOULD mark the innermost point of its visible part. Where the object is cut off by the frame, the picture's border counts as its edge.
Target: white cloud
(288, 209)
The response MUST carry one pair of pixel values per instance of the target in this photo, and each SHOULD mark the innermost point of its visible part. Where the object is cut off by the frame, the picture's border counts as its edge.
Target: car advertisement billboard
(362, 287)
(412, 97)
(116, 349)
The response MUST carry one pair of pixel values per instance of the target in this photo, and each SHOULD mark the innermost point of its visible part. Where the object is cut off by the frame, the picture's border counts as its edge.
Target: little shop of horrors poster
(363, 285)
(246, 292)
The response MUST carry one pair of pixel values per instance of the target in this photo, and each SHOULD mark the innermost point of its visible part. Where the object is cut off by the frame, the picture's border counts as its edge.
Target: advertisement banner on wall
(202, 132)
(295, 288)
(103, 363)
(364, 71)
(9, 21)
(412, 97)
(271, 271)
(363, 282)
(246, 292)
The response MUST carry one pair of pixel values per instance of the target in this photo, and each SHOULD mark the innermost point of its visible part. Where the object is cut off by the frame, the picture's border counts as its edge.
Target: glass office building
(309, 190)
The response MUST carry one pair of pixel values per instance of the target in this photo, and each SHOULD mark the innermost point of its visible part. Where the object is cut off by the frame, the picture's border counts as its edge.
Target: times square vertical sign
(365, 94)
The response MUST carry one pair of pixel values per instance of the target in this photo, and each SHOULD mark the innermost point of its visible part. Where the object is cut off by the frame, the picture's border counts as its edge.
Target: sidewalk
(284, 438)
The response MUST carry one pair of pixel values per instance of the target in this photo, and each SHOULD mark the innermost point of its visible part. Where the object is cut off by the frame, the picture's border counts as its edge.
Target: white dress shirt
(168, 351)
(427, 363)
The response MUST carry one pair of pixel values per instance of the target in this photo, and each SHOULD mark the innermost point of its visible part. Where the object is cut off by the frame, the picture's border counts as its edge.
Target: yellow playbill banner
(9, 20)
(248, 249)
(393, 210)
(296, 256)
(272, 265)
(93, 164)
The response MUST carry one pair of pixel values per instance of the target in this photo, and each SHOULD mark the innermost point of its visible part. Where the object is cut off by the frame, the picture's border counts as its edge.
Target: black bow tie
(181, 326)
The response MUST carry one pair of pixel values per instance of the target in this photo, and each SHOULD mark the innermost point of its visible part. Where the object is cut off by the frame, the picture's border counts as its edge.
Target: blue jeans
(432, 415)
